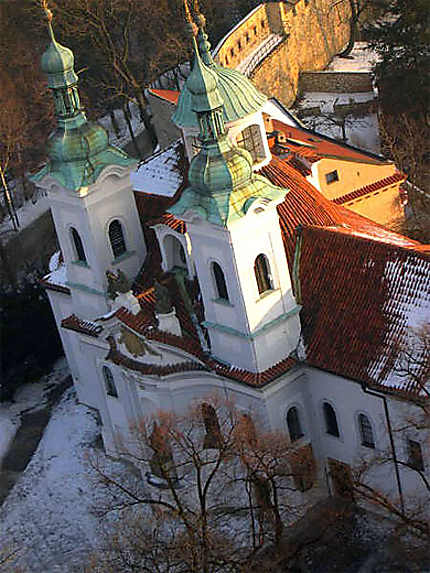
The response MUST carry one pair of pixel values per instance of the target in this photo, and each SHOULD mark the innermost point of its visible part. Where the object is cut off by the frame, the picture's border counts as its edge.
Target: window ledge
(82, 264)
(122, 257)
(222, 301)
(267, 293)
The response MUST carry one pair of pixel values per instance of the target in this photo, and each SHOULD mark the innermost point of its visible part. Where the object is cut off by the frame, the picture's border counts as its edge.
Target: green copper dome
(57, 62)
(219, 167)
(202, 84)
(240, 97)
(78, 150)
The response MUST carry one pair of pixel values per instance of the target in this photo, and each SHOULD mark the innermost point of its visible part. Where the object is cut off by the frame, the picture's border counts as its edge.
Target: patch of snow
(58, 277)
(326, 100)
(361, 59)
(362, 132)
(27, 397)
(159, 174)
(27, 214)
(49, 516)
(54, 261)
(124, 138)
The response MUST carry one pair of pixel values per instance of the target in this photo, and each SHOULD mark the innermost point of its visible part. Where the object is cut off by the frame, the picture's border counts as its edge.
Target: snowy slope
(49, 515)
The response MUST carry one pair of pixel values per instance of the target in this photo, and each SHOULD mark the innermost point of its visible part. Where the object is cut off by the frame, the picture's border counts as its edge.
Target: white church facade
(216, 267)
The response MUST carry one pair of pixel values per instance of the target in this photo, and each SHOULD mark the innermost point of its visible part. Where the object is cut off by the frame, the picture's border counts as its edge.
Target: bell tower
(232, 221)
(89, 189)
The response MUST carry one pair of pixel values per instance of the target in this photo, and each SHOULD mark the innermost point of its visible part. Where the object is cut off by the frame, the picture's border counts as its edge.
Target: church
(220, 265)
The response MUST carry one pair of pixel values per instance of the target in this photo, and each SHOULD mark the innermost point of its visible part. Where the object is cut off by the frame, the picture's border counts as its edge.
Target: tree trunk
(114, 123)
(353, 29)
(127, 114)
(9, 202)
(147, 122)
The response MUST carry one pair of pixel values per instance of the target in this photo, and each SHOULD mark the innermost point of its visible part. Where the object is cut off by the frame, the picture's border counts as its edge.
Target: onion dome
(203, 87)
(78, 150)
(58, 64)
(240, 97)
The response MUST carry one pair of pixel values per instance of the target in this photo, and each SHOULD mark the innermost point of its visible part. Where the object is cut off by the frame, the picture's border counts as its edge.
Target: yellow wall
(352, 175)
(313, 34)
(382, 206)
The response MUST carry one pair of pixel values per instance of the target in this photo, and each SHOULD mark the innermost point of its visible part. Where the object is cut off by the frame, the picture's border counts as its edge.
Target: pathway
(27, 438)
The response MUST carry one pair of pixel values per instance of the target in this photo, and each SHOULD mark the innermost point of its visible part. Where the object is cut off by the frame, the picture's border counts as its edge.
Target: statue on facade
(163, 300)
(117, 283)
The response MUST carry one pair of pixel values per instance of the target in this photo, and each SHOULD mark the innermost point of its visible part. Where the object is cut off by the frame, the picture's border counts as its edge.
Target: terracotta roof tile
(358, 296)
(376, 186)
(88, 327)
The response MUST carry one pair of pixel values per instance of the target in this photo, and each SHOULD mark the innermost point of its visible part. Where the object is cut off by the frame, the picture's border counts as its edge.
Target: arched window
(109, 382)
(251, 140)
(366, 432)
(221, 286)
(175, 254)
(213, 433)
(262, 274)
(79, 247)
(330, 420)
(294, 426)
(116, 238)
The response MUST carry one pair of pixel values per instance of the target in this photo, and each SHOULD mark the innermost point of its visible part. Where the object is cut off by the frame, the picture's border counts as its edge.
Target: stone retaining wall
(336, 82)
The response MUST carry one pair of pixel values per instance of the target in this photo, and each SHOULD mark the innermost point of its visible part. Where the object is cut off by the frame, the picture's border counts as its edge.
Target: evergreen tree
(402, 41)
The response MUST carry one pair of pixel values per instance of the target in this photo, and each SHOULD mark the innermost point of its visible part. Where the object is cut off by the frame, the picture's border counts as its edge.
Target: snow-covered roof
(160, 174)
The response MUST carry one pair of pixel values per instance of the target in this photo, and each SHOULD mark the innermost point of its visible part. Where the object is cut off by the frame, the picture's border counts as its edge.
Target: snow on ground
(159, 174)
(28, 397)
(124, 137)
(27, 213)
(49, 515)
(362, 132)
(361, 59)
(30, 211)
(327, 100)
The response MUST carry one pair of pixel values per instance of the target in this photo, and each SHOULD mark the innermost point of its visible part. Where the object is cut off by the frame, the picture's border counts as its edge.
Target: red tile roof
(315, 146)
(88, 327)
(358, 296)
(376, 186)
(171, 96)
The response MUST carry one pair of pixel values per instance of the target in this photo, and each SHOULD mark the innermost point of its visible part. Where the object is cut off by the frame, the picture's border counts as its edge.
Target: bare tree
(222, 488)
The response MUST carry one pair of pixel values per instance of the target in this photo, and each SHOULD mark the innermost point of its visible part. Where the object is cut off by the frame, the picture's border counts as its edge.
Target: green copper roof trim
(241, 98)
(297, 290)
(85, 288)
(76, 174)
(229, 330)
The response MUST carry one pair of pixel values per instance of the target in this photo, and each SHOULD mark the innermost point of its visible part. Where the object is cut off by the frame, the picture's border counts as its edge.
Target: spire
(58, 64)
(204, 44)
(77, 150)
(202, 83)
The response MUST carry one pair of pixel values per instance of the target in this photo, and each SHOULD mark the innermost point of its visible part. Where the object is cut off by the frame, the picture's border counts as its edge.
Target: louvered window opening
(294, 425)
(250, 139)
(220, 283)
(79, 247)
(366, 431)
(116, 237)
(330, 420)
(109, 382)
(262, 274)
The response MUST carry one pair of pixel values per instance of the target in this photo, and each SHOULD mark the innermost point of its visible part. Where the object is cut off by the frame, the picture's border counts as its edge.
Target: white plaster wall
(90, 214)
(235, 326)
